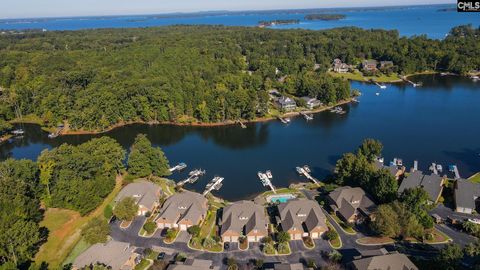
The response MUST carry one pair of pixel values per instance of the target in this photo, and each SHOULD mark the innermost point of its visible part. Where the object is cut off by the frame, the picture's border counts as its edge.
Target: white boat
(17, 132)
(180, 166)
(378, 94)
(299, 170)
(52, 135)
(306, 168)
(269, 174)
(382, 86)
(287, 120)
(439, 168)
(474, 220)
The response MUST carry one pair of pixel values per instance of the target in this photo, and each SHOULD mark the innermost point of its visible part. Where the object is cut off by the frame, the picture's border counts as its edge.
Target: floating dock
(307, 116)
(415, 165)
(215, 184)
(305, 171)
(284, 120)
(193, 177)
(433, 168)
(180, 166)
(265, 178)
(454, 169)
(412, 83)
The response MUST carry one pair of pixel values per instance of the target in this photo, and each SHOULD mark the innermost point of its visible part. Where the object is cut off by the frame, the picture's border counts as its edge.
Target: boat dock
(454, 169)
(338, 110)
(214, 184)
(192, 177)
(265, 178)
(180, 166)
(307, 116)
(242, 124)
(415, 165)
(305, 171)
(284, 120)
(412, 83)
(56, 132)
(382, 86)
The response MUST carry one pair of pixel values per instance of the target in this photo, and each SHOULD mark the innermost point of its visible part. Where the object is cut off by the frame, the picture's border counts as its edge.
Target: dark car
(226, 246)
(161, 256)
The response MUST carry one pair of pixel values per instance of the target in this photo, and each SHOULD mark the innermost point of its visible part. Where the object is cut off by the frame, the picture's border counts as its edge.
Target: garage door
(251, 239)
(235, 239)
(183, 227)
(314, 235)
(297, 236)
(227, 239)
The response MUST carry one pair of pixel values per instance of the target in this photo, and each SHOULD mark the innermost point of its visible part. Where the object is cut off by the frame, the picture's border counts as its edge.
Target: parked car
(161, 256)
(226, 246)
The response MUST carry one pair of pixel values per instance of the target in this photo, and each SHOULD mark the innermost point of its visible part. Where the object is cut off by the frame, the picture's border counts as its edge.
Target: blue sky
(60, 8)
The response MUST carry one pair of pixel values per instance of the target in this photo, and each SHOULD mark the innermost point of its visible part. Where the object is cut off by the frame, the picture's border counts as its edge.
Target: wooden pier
(180, 166)
(266, 181)
(307, 116)
(412, 83)
(193, 177)
(216, 184)
(305, 171)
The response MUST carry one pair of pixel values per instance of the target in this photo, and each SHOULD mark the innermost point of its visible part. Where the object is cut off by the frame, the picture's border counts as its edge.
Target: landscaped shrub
(150, 227)
(331, 235)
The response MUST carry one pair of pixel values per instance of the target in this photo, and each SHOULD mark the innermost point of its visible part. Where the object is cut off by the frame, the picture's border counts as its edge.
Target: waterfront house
(243, 218)
(311, 103)
(193, 264)
(395, 170)
(145, 193)
(432, 184)
(286, 266)
(302, 218)
(386, 64)
(351, 204)
(339, 66)
(467, 196)
(286, 103)
(115, 255)
(182, 210)
(369, 65)
(381, 259)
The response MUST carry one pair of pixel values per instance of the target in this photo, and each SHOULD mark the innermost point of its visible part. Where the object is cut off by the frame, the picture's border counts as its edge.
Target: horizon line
(223, 11)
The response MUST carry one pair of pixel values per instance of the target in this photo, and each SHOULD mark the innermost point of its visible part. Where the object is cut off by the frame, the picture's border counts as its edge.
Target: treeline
(325, 17)
(94, 79)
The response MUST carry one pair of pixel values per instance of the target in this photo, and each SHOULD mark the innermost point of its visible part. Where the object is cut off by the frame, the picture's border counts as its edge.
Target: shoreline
(194, 124)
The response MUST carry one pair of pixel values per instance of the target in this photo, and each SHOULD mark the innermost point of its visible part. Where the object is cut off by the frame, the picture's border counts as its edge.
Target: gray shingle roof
(432, 184)
(244, 217)
(182, 206)
(348, 200)
(144, 192)
(395, 261)
(296, 212)
(465, 193)
(113, 253)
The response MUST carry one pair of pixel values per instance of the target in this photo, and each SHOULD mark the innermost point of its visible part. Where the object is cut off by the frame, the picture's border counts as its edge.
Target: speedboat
(18, 132)
(269, 174)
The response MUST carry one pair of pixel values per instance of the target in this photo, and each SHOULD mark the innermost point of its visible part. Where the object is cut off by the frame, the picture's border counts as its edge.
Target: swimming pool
(280, 198)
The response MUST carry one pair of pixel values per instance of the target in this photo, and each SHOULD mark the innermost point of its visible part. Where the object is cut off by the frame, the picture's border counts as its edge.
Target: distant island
(324, 17)
(277, 22)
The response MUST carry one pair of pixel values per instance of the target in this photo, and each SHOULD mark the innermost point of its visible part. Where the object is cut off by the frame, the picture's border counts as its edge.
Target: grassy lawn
(438, 237)
(207, 224)
(280, 191)
(285, 252)
(166, 185)
(375, 240)
(358, 76)
(80, 247)
(308, 242)
(342, 224)
(144, 264)
(336, 243)
(65, 228)
(475, 178)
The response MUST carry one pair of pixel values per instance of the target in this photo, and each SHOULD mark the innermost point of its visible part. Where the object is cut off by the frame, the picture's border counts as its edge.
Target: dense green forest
(94, 79)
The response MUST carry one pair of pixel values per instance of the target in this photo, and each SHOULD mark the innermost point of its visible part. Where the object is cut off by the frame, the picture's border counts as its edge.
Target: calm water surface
(413, 20)
(438, 122)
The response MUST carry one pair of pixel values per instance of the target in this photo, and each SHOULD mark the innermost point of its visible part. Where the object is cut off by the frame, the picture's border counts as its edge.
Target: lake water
(412, 20)
(438, 122)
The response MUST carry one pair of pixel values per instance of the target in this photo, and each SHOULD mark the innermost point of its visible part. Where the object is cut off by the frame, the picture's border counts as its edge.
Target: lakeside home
(312, 103)
(432, 184)
(193, 264)
(182, 210)
(381, 259)
(243, 218)
(466, 195)
(369, 65)
(286, 104)
(145, 193)
(351, 204)
(339, 66)
(302, 218)
(115, 255)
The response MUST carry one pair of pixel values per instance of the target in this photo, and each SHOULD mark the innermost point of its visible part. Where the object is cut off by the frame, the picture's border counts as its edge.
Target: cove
(438, 122)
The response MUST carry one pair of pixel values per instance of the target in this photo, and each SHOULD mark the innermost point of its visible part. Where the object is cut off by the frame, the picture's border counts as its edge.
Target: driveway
(446, 212)
(182, 237)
